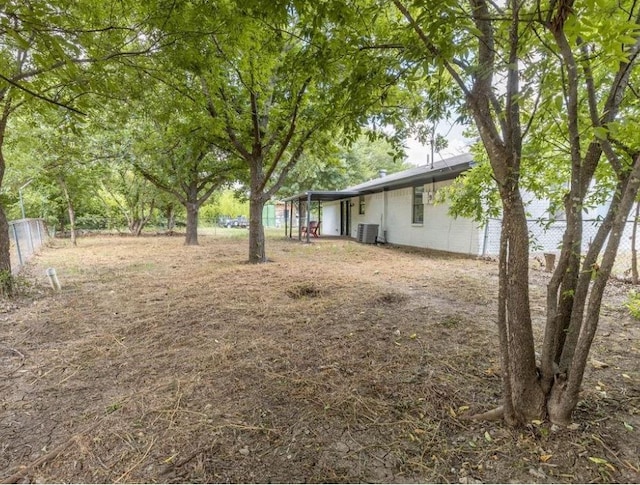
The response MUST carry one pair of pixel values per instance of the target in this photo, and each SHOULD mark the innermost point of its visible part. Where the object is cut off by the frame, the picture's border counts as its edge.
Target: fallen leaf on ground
(598, 364)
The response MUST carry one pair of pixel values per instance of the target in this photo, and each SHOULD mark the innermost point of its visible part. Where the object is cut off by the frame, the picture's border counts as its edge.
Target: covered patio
(303, 204)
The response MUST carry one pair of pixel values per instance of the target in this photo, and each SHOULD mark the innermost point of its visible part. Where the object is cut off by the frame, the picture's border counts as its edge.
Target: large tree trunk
(191, 238)
(524, 396)
(257, 250)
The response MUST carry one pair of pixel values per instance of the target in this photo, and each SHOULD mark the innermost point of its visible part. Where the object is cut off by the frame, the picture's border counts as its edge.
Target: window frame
(417, 204)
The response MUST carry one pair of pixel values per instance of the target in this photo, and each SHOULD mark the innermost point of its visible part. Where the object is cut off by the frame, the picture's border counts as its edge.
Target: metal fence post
(39, 226)
(15, 238)
(28, 224)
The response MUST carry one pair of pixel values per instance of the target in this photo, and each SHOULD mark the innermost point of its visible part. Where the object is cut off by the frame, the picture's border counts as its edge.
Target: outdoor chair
(314, 227)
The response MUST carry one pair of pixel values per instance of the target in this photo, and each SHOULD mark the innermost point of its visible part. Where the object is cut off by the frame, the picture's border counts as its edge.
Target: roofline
(439, 175)
(323, 195)
(392, 182)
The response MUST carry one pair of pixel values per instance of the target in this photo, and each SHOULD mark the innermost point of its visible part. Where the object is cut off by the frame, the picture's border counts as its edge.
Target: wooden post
(549, 262)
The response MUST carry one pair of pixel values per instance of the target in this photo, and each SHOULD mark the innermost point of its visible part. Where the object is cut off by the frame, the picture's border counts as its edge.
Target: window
(418, 206)
(361, 205)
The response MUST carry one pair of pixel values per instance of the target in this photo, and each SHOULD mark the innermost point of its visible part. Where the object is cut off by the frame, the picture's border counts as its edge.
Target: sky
(419, 154)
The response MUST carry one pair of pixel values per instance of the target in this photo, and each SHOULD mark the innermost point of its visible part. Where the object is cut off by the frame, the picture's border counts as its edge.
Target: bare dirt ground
(336, 362)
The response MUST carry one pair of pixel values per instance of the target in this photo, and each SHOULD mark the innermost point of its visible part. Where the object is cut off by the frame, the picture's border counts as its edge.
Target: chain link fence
(26, 236)
(545, 236)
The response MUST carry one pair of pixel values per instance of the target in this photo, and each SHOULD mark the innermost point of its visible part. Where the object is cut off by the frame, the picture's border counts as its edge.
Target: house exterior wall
(373, 212)
(438, 231)
(392, 211)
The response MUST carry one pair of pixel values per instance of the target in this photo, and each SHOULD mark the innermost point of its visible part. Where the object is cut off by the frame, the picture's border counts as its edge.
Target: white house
(396, 208)
(399, 209)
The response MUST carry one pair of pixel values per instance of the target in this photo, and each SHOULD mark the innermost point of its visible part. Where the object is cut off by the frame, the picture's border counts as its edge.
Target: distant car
(225, 221)
(240, 221)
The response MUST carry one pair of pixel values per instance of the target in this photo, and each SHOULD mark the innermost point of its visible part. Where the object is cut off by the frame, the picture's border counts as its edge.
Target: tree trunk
(191, 238)
(6, 280)
(257, 250)
(137, 223)
(6, 283)
(592, 282)
(72, 223)
(527, 400)
(136, 226)
(70, 210)
(634, 249)
(561, 292)
(171, 218)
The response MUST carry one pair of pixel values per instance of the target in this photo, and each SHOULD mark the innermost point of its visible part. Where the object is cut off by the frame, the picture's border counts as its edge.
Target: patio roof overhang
(322, 195)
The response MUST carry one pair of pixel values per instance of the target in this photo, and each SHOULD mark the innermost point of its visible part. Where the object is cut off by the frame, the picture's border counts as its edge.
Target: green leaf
(600, 132)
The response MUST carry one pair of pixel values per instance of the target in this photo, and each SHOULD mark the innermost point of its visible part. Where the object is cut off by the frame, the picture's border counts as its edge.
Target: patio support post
(299, 221)
(291, 220)
(308, 214)
(286, 222)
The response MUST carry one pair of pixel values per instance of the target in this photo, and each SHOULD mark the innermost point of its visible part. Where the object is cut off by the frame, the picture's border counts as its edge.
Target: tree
(227, 202)
(132, 196)
(24, 56)
(187, 167)
(502, 60)
(342, 166)
(54, 151)
(274, 82)
(47, 50)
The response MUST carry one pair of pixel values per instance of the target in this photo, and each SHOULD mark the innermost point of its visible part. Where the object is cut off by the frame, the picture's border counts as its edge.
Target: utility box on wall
(367, 233)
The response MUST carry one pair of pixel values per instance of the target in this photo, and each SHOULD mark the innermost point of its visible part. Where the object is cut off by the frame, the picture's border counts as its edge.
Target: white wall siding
(392, 211)
(439, 231)
(373, 212)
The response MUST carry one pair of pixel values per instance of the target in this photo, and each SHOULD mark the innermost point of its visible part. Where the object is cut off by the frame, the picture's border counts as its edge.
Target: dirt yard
(336, 362)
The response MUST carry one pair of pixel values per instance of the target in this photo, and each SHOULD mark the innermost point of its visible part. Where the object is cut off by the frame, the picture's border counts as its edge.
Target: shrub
(633, 304)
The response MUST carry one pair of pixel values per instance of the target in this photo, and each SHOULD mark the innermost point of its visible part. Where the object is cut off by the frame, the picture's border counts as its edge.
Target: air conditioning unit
(367, 233)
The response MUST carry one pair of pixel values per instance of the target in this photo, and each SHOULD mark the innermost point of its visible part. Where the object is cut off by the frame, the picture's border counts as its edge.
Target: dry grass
(336, 362)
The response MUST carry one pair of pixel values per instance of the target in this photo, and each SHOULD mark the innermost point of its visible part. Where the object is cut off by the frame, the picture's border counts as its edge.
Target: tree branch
(255, 124)
(382, 46)
(431, 47)
(287, 139)
(158, 183)
(40, 96)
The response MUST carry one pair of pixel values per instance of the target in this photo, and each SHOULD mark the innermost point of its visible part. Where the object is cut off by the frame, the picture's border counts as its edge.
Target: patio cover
(322, 195)
(314, 196)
